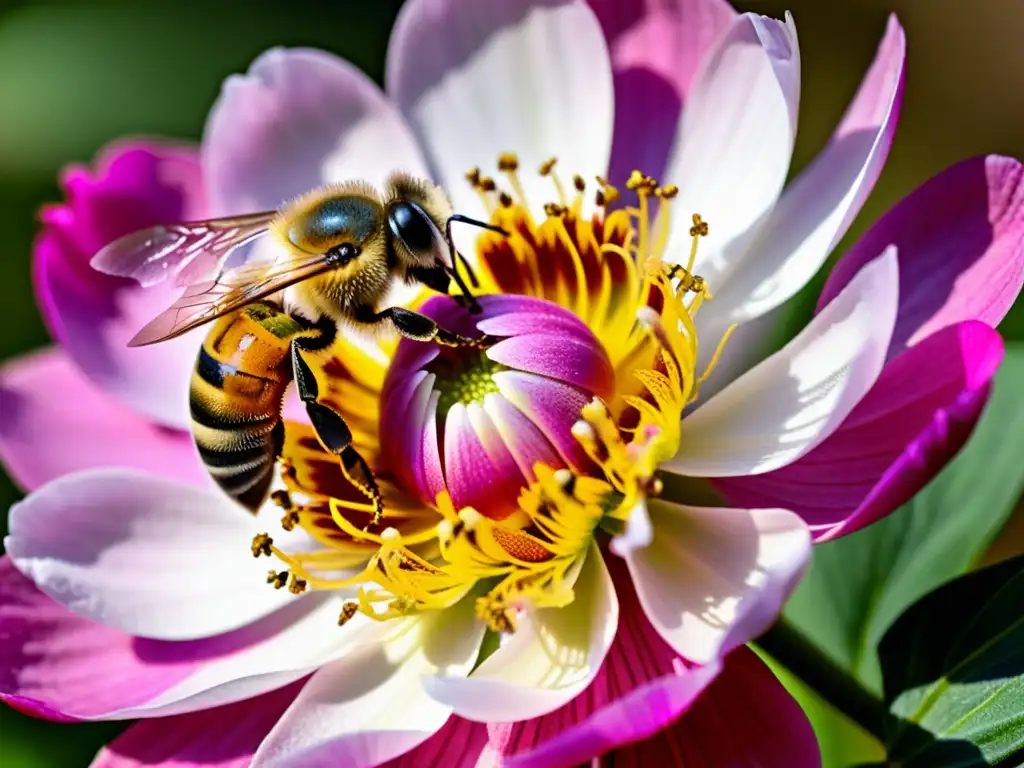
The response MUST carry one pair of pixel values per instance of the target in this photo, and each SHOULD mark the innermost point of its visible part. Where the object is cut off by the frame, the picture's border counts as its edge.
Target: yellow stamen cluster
(642, 310)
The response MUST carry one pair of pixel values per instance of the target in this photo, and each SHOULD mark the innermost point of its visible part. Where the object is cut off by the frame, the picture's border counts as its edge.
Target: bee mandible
(344, 247)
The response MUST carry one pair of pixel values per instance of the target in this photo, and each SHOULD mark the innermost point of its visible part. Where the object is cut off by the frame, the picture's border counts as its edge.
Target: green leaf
(858, 585)
(953, 670)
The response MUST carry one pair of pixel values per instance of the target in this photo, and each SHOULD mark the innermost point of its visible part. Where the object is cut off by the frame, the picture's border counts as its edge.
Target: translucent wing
(190, 251)
(231, 289)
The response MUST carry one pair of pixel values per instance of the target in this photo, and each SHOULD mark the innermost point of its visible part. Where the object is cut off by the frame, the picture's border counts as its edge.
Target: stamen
(262, 544)
(547, 168)
(277, 578)
(348, 610)
(296, 585)
(508, 164)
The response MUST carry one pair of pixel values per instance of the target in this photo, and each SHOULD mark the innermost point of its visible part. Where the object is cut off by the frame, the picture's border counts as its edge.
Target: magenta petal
(917, 416)
(642, 687)
(459, 744)
(560, 358)
(656, 47)
(53, 421)
(745, 718)
(531, 321)
(93, 315)
(225, 737)
(960, 237)
(553, 406)
(528, 445)
(480, 470)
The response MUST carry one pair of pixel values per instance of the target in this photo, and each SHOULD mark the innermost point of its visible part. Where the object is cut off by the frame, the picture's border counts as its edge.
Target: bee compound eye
(340, 255)
(411, 224)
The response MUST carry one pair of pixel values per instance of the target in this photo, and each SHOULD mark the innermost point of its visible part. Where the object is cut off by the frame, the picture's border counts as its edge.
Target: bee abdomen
(238, 384)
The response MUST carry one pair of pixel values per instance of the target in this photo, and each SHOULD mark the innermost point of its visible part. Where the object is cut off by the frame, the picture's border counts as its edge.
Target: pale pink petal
(713, 579)
(94, 315)
(918, 415)
(552, 657)
(57, 665)
(553, 406)
(480, 470)
(143, 554)
(298, 119)
(740, 124)
(405, 422)
(816, 209)
(745, 718)
(656, 47)
(960, 237)
(478, 79)
(225, 737)
(54, 421)
(782, 408)
(528, 445)
(643, 686)
(584, 365)
(370, 706)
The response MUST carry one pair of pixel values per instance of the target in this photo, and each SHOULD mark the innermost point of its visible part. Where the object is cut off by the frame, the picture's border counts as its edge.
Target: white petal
(637, 534)
(370, 706)
(298, 119)
(782, 408)
(816, 210)
(736, 141)
(149, 556)
(714, 579)
(548, 661)
(476, 79)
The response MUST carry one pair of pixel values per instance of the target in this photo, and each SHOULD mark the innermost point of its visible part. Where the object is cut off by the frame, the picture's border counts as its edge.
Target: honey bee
(344, 247)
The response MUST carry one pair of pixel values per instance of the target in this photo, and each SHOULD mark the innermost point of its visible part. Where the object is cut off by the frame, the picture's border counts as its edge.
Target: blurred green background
(75, 75)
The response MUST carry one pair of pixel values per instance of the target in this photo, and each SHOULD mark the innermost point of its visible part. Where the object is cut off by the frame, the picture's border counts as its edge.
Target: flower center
(499, 466)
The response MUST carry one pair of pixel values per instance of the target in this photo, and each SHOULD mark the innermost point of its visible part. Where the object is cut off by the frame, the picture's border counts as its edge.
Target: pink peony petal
(715, 578)
(53, 421)
(531, 321)
(642, 687)
(480, 470)
(296, 120)
(745, 718)
(815, 211)
(560, 358)
(225, 737)
(918, 415)
(59, 666)
(656, 47)
(143, 554)
(478, 79)
(93, 315)
(553, 406)
(960, 237)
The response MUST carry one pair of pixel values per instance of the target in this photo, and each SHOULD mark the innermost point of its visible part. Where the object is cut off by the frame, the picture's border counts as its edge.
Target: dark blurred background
(75, 75)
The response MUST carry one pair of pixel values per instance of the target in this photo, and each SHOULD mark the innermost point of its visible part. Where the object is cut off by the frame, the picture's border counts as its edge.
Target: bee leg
(419, 327)
(334, 433)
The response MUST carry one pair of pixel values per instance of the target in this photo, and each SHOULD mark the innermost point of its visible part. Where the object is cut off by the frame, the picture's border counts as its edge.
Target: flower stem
(791, 648)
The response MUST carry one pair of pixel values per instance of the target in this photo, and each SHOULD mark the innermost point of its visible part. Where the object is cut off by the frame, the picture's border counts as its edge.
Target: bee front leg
(334, 433)
(419, 327)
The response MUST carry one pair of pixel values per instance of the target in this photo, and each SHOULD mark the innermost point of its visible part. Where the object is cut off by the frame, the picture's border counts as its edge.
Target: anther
(699, 228)
(278, 579)
(473, 177)
(554, 209)
(261, 544)
(579, 183)
(391, 536)
(582, 431)
(505, 199)
(296, 585)
(348, 610)
(281, 499)
(507, 161)
(547, 166)
(290, 520)
(599, 198)
(667, 192)
(487, 184)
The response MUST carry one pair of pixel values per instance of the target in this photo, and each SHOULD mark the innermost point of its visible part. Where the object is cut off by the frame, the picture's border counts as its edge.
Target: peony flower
(519, 508)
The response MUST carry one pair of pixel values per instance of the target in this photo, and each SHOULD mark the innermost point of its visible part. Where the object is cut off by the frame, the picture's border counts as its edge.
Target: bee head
(416, 213)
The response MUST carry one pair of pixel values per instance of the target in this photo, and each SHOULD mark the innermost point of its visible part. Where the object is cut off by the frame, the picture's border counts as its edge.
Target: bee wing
(189, 251)
(231, 289)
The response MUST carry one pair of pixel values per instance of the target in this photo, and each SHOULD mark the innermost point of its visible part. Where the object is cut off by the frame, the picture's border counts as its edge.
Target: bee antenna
(456, 257)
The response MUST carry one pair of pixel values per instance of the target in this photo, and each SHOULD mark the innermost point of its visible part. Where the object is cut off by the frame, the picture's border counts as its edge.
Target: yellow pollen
(667, 192)
(277, 578)
(507, 161)
(262, 545)
(469, 380)
(554, 209)
(487, 184)
(547, 166)
(296, 585)
(348, 610)
(699, 228)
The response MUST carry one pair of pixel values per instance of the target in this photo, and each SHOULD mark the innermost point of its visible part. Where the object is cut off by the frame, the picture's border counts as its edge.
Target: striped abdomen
(238, 384)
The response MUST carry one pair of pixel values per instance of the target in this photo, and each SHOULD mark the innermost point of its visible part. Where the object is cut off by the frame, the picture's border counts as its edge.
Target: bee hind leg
(335, 434)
